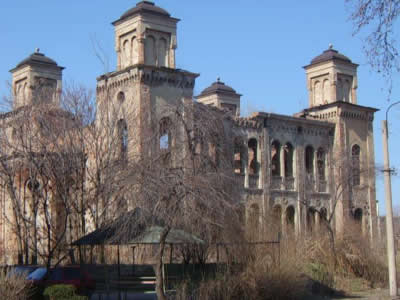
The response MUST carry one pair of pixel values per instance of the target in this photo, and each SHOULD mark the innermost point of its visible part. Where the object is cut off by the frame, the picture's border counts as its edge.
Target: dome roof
(329, 55)
(37, 58)
(145, 7)
(218, 87)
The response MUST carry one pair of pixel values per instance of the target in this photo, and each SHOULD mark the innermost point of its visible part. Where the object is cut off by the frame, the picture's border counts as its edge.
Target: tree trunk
(159, 265)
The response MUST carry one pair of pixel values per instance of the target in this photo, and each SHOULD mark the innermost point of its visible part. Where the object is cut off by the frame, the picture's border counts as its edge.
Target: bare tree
(183, 179)
(378, 18)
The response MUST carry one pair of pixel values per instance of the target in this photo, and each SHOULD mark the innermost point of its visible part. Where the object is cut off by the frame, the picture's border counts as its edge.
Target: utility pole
(389, 210)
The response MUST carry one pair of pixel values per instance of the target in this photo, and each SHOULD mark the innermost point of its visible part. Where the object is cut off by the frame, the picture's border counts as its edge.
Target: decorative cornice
(149, 75)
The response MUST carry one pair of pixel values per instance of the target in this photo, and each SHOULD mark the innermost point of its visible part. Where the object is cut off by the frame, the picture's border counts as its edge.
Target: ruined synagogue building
(291, 170)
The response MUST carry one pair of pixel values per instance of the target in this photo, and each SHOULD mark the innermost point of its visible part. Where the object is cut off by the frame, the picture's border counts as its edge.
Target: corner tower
(332, 85)
(36, 79)
(331, 77)
(145, 34)
(146, 88)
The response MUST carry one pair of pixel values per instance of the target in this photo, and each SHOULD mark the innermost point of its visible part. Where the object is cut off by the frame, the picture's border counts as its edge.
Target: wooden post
(119, 269)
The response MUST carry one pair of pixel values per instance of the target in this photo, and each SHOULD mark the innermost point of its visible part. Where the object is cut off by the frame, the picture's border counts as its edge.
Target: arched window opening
(355, 160)
(290, 216)
(326, 91)
(321, 164)
(339, 90)
(121, 97)
(150, 53)
(276, 159)
(165, 134)
(238, 156)
(311, 219)
(162, 53)
(126, 52)
(134, 51)
(123, 135)
(253, 160)
(317, 93)
(346, 91)
(358, 218)
(309, 160)
(288, 157)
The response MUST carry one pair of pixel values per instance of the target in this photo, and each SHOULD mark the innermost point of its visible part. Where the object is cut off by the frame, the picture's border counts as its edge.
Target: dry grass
(14, 287)
(307, 265)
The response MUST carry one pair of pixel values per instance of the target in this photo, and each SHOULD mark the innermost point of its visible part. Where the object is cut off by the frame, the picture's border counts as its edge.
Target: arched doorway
(290, 220)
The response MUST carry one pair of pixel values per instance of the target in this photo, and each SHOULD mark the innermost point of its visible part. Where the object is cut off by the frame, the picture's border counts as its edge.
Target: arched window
(346, 91)
(309, 160)
(317, 93)
(311, 213)
(290, 217)
(121, 97)
(150, 53)
(162, 53)
(355, 160)
(326, 91)
(123, 136)
(276, 158)
(238, 156)
(339, 90)
(288, 158)
(165, 134)
(126, 53)
(321, 164)
(253, 160)
(134, 51)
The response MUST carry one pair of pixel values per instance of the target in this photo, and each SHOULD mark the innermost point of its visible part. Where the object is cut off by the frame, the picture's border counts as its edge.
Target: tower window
(276, 159)
(288, 156)
(355, 160)
(309, 160)
(165, 134)
(123, 135)
(321, 163)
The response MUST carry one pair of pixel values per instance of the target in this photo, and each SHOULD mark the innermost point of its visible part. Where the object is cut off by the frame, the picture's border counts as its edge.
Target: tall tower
(145, 34)
(146, 85)
(331, 77)
(332, 85)
(37, 79)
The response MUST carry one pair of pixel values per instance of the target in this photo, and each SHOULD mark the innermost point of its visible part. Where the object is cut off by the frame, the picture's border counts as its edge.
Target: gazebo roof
(130, 229)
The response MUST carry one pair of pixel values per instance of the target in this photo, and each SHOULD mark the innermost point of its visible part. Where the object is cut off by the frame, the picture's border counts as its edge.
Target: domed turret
(36, 78)
(145, 35)
(331, 77)
(222, 96)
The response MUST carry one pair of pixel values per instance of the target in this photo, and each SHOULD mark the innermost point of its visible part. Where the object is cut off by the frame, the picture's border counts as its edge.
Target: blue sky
(256, 46)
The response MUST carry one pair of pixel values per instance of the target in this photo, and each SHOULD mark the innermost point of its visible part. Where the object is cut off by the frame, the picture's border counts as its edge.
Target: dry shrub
(14, 287)
(257, 278)
(357, 257)
(308, 265)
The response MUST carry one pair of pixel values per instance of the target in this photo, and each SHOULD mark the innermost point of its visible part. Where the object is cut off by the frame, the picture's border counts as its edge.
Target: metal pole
(389, 214)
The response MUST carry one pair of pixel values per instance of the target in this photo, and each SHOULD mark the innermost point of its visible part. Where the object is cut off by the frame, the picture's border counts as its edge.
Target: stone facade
(292, 169)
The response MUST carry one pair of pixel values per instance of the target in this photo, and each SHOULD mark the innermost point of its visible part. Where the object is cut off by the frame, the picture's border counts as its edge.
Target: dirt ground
(373, 294)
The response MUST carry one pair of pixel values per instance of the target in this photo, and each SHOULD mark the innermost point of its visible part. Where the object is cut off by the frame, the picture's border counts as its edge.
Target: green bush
(62, 292)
